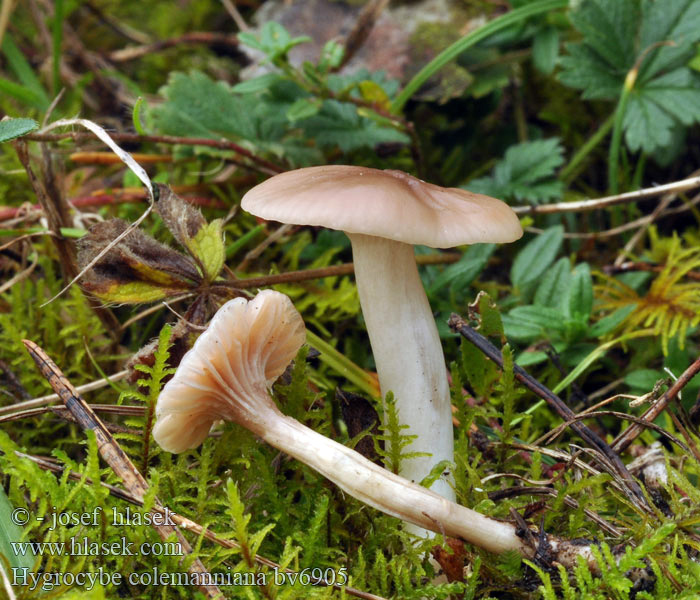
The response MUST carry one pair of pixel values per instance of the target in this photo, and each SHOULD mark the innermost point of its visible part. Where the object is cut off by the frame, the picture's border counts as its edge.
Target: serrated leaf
(527, 172)
(208, 247)
(658, 39)
(532, 261)
(339, 124)
(14, 128)
(203, 241)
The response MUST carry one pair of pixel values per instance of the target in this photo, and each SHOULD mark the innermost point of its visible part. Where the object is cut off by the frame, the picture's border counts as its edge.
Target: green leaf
(14, 128)
(530, 323)
(208, 247)
(11, 532)
(339, 124)
(20, 66)
(580, 294)
(257, 84)
(527, 173)
(545, 49)
(611, 321)
(532, 261)
(462, 273)
(555, 284)
(658, 39)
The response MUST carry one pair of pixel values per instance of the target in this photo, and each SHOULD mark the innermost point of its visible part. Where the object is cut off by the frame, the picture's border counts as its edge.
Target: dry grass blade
(88, 387)
(612, 460)
(112, 453)
(192, 526)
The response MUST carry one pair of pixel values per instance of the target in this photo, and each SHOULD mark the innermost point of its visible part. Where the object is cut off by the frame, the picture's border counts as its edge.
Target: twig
(263, 165)
(88, 387)
(195, 37)
(132, 411)
(630, 434)
(459, 325)
(260, 248)
(112, 453)
(333, 271)
(235, 15)
(583, 205)
(625, 267)
(361, 29)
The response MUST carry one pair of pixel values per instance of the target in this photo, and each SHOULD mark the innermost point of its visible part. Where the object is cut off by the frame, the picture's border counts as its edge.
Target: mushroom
(226, 375)
(384, 213)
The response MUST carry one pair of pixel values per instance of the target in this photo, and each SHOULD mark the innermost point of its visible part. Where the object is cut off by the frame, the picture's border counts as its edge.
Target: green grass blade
(11, 532)
(469, 40)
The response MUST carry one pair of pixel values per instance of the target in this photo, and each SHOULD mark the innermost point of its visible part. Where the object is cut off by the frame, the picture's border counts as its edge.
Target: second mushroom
(385, 213)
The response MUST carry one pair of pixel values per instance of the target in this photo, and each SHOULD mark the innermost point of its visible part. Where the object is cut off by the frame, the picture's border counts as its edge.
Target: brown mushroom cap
(246, 346)
(387, 204)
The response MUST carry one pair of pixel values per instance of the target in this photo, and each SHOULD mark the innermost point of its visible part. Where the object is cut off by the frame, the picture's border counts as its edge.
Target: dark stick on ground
(112, 453)
(459, 325)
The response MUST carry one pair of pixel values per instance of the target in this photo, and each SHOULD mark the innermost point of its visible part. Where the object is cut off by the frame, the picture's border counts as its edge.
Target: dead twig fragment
(623, 440)
(596, 203)
(616, 466)
(112, 453)
(262, 165)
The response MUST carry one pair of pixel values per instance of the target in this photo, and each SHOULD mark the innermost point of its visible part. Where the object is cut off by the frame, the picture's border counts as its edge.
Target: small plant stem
(614, 155)
(263, 165)
(630, 434)
(364, 380)
(57, 39)
(568, 173)
(471, 39)
(459, 325)
(605, 202)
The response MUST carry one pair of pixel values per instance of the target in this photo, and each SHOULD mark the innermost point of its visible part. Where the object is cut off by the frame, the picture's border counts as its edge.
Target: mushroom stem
(407, 351)
(384, 490)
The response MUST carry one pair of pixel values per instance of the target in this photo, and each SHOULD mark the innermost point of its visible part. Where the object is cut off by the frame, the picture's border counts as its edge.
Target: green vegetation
(551, 104)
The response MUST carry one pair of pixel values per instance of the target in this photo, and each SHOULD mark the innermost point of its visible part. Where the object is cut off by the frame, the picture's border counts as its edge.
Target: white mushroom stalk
(226, 375)
(384, 213)
(407, 352)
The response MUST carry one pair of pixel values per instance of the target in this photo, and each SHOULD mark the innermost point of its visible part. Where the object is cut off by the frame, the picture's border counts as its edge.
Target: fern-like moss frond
(671, 305)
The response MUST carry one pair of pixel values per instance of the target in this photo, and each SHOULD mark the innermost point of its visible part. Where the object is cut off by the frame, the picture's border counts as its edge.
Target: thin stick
(88, 387)
(583, 205)
(458, 324)
(263, 165)
(333, 271)
(630, 434)
(112, 453)
(625, 267)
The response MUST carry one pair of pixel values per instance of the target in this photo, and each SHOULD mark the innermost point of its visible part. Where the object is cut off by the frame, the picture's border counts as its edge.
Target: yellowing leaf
(208, 247)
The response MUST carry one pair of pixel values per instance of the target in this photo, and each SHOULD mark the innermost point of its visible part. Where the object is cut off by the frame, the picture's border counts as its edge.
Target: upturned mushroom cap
(246, 346)
(387, 204)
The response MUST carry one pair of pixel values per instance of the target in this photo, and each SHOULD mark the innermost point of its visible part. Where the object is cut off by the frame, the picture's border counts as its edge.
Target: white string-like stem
(595, 203)
(129, 161)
